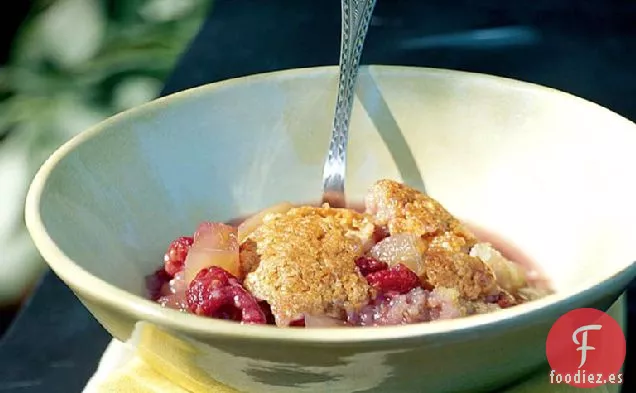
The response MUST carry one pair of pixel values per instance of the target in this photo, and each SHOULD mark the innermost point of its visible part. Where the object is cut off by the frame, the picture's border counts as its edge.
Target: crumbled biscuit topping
(403, 209)
(303, 262)
(447, 262)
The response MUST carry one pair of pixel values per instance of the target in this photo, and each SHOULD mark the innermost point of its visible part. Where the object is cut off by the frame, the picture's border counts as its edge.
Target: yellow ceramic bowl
(549, 171)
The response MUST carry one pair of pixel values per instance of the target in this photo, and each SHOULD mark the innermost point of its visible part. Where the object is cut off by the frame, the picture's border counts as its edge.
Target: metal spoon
(356, 15)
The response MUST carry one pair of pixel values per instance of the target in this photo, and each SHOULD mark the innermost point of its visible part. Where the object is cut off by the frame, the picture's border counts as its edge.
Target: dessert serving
(104, 208)
(402, 259)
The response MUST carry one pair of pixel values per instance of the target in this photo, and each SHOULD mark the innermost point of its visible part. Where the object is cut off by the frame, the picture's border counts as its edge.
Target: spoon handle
(356, 15)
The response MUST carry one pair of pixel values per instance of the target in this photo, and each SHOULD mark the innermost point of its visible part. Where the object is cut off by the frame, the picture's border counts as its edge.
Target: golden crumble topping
(447, 262)
(403, 209)
(303, 262)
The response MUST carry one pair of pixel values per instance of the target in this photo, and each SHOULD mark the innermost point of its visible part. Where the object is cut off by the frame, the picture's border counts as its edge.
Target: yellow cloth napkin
(132, 368)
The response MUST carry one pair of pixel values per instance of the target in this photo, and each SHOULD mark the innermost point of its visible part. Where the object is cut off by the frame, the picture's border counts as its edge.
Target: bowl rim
(94, 288)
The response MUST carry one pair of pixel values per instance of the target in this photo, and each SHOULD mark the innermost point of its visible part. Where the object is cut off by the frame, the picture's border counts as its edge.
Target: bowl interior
(548, 171)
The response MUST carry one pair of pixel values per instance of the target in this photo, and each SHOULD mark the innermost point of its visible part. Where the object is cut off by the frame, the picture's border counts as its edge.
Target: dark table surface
(584, 47)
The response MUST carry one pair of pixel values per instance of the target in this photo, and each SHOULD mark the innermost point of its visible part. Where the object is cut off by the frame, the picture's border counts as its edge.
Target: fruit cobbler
(404, 259)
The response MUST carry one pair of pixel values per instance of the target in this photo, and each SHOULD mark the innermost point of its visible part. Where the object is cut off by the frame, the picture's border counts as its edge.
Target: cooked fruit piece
(176, 255)
(214, 244)
(404, 248)
(368, 265)
(216, 293)
(510, 276)
(398, 279)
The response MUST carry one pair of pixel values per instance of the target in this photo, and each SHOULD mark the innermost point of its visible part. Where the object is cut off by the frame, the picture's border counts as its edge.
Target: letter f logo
(583, 344)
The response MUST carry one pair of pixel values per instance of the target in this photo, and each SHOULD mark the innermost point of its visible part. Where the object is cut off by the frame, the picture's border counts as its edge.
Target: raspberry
(176, 255)
(398, 279)
(368, 265)
(218, 294)
(155, 283)
(298, 323)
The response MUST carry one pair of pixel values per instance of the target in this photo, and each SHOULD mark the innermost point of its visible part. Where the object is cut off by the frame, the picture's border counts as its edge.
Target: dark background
(586, 47)
(10, 20)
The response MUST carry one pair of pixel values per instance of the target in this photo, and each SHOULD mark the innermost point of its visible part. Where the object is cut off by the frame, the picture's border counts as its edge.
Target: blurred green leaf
(14, 178)
(74, 63)
(135, 91)
(72, 31)
(164, 10)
